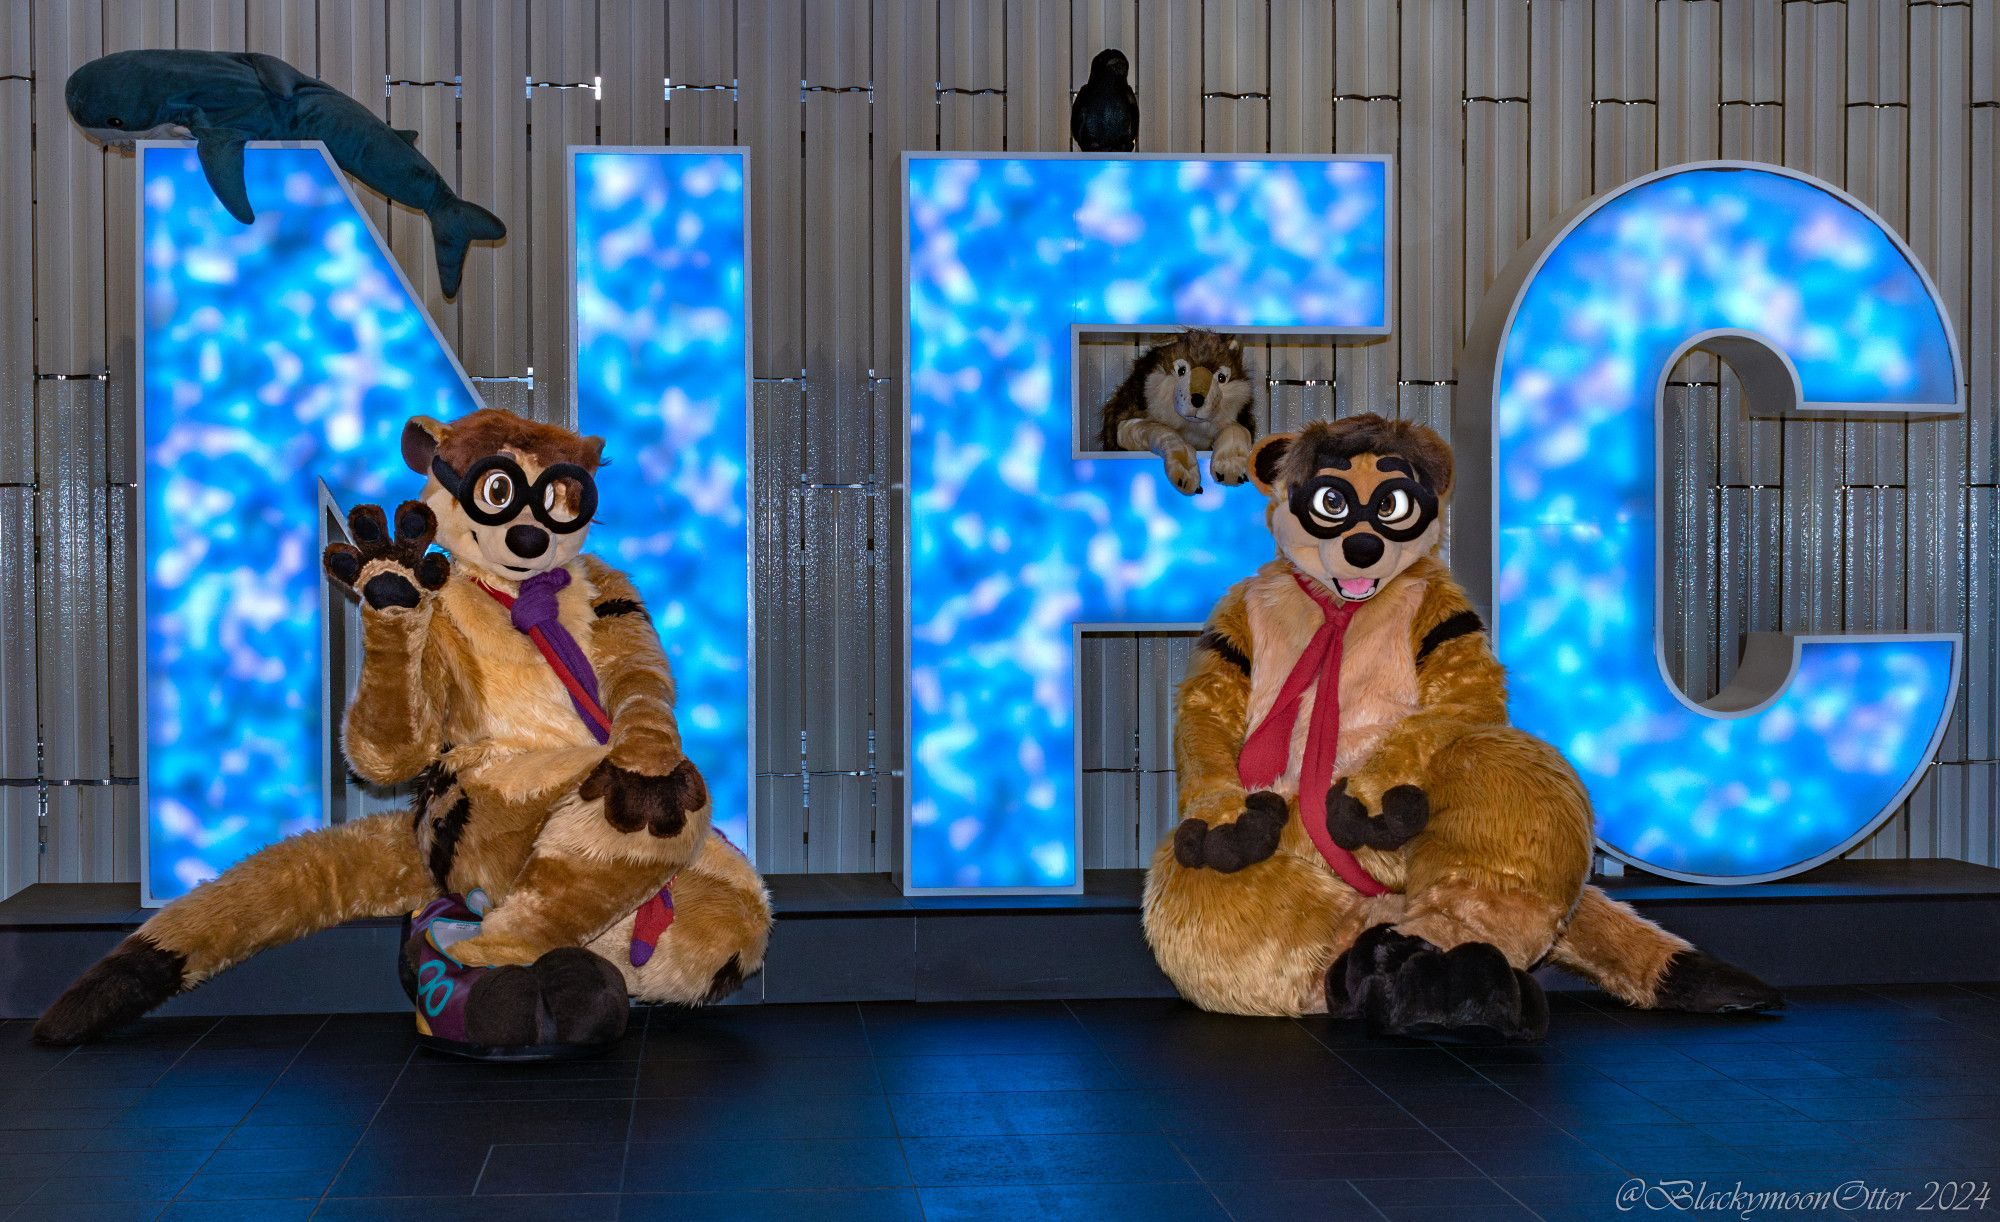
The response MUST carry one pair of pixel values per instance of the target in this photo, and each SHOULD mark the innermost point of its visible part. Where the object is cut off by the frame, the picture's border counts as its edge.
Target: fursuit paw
(1183, 471)
(1229, 847)
(1403, 985)
(1405, 811)
(387, 570)
(118, 990)
(1230, 466)
(1698, 984)
(634, 800)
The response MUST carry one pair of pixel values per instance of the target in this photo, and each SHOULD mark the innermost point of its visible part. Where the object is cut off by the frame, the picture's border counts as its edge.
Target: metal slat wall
(1503, 115)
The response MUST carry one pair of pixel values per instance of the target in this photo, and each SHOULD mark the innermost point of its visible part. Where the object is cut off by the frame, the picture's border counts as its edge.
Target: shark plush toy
(224, 99)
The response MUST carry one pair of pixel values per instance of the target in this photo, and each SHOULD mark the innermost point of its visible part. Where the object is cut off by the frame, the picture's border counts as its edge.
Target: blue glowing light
(1769, 267)
(276, 355)
(291, 351)
(662, 351)
(1013, 543)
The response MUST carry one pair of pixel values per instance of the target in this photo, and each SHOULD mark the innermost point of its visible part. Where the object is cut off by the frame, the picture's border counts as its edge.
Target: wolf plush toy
(1389, 848)
(1191, 393)
(558, 845)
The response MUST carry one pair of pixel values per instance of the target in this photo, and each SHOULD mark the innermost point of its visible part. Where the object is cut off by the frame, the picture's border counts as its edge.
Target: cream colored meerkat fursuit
(1397, 853)
(1191, 393)
(566, 827)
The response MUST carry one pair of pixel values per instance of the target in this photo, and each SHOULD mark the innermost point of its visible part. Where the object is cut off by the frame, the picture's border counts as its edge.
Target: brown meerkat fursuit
(568, 827)
(1404, 855)
(1190, 393)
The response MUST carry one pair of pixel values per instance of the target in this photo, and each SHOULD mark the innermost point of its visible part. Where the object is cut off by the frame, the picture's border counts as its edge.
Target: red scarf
(1269, 747)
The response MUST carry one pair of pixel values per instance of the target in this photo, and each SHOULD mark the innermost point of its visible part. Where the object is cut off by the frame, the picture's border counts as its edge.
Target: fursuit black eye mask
(494, 490)
(1400, 510)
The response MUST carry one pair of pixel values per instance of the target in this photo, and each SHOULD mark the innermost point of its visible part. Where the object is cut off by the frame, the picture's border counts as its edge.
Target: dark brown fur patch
(618, 606)
(728, 979)
(445, 831)
(118, 990)
(490, 430)
(1321, 445)
(633, 800)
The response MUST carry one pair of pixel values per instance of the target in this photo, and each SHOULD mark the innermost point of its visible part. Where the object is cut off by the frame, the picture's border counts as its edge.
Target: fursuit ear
(1265, 460)
(596, 445)
(421, 438)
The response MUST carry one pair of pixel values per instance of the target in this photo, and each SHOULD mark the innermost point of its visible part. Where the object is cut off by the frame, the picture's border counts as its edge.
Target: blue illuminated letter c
(1820, 310)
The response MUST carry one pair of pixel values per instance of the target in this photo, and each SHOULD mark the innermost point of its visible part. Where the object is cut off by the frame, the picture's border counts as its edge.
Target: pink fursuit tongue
(1355, 587)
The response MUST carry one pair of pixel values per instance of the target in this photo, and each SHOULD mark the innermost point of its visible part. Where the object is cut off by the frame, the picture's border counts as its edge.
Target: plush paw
(1229, 847)
(634, 800)
(1403, 985)
(1698, 984)
(562, 1003)
(1405, 811)
(1183, 471)
(387, 570)
(1231, 466)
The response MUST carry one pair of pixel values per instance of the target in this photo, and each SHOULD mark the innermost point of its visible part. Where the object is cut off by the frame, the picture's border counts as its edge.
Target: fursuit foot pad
(1403, 985)
(567, 1004)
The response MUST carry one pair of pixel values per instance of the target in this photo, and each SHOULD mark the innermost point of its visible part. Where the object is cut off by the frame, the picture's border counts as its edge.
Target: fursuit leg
(1643, 965)
(297, 886)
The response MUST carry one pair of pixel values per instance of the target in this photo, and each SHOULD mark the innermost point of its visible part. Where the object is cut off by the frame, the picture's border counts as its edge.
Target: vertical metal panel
(1430, 218)
(1982, 629)
(1038, 85)
(1690, 81)
(1815, 89)
(1496, 209)
(1982, 339)
(1622, 143)
(781, 845)
(123, 656)
(905, 117)
(73, 520)
(288, 29)
(1874, 570)
(1301, 83)
(1813, 551)
(354, 57)
(17, 268)
(972, 121)
(835, 271)
(835, 647)
(1878, 169)
(1365, 378)
(422, 46)
(1751, 530)
(20, 854)
(562, 110)
(69, 178)
(1235, 82)
(780, 625)
(129, 25)
(1691, 537)
(768, 115)
(701, 63)
(210, 25)
(19, 650)
(16, 49)
(1167, 77)
(633, 42)
(1877, 50)
(493, 301)
(1559, 135)
(1624, 51)
(1366, 60)
(972, 44)
(1496, 50)
(432, 112)
(1753, 49)
(1235, 125)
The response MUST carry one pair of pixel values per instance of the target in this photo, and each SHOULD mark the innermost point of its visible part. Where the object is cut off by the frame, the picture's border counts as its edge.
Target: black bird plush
(1105, 116)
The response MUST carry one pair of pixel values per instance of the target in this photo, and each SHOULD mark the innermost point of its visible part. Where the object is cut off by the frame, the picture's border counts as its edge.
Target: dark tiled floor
(1117, 1110)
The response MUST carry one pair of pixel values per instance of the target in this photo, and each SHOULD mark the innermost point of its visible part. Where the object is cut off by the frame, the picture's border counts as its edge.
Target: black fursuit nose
(1360, 550)
(527, 541)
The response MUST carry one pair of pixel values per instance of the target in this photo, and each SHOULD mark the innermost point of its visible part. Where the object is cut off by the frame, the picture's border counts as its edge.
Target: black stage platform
(1120, 1111)
(853, 937)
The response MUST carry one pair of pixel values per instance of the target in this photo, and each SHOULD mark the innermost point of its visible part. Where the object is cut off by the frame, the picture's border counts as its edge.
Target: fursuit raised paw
(1404, 812)
(1229, 847)
(1399, 984)
(634, 800)
(387, 570)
